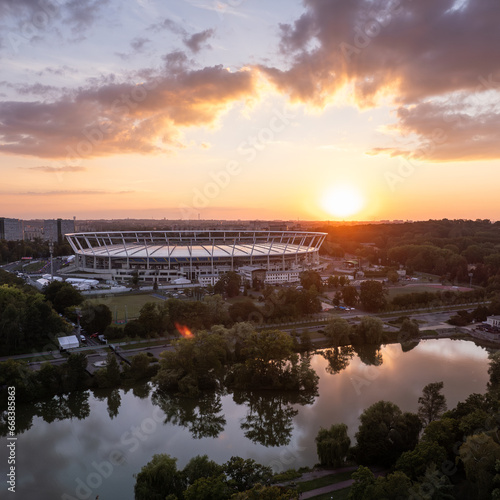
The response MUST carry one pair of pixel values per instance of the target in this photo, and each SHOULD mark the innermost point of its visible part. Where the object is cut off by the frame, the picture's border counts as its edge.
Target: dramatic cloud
(416, 49)
(122, 117)
(411, 51)
(448, 132)
(196, 41)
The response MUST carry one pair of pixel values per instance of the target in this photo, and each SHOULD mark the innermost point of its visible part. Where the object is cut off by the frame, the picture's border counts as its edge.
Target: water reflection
(338, 358)
(113, 399)
(269, 419)
(202, 416)
(369, 354)
(60, 407)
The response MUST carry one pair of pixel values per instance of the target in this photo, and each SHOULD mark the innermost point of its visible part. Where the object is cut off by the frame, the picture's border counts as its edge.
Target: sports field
(125, 306)
(419, 288)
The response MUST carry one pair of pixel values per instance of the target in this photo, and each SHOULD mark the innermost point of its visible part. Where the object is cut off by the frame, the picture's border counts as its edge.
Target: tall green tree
(432, 404)
(228, 284)
(337, 330)
(349, 295)
(384, 433)
(494, 373)
(373, 296)
(158, 479)
(62, 295)
(332, 445)
(95, 317)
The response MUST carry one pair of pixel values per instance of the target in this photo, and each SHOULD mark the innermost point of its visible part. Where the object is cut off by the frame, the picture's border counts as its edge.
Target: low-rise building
(493, 321)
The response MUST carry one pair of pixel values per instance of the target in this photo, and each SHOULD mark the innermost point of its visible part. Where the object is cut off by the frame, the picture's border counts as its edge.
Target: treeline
(201, 478)
(456, 456)
(238, 358)
(57, 379)
(11, 251)
(441, 247)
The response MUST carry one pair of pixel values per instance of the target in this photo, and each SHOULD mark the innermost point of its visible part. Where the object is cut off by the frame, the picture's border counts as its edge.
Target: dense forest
(449, 248)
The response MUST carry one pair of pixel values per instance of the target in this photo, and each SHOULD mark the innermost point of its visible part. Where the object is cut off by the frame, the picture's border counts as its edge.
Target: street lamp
(51, 250)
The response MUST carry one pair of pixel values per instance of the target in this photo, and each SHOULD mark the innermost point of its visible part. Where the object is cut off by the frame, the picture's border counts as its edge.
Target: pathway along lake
(84, 445)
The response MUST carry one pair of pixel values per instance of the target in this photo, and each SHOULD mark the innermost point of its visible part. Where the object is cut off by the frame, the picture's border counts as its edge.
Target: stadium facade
(197, 255)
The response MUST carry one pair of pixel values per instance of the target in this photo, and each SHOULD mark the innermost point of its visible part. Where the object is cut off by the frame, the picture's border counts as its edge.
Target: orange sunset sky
(234, 109)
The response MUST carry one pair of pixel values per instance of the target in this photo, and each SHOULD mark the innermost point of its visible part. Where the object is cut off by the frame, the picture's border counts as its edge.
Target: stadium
(198, 256)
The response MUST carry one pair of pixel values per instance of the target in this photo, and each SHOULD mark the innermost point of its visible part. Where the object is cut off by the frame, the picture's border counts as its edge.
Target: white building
(287, 276)
(493, 321)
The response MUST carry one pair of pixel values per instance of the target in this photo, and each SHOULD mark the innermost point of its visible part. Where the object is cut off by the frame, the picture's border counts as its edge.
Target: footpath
(309, 476)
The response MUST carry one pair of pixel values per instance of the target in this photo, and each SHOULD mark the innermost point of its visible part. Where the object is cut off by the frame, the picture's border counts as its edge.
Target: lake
(115, 433)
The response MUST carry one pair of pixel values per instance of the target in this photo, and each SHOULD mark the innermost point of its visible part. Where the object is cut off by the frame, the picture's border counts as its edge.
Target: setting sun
(343, 201)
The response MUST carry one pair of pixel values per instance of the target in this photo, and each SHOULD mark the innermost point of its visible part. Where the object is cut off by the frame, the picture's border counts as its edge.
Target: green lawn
(129, 305)
(404, 290)
(324, 481)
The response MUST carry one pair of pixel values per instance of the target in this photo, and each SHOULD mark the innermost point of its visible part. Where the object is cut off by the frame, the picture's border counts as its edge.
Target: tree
(364, 481)
(349, 295)
(479, 454)
(414, 463)
(201, 466)
(244, 474)
(372, 296)
(95, 317)
(432, 404)
(228, 284)
(62, 295)
(208, 488)
(332, 445)
(109, 376)
(408, 330)
(158, 479)
(154, 318)
(311, 278)
(337, 330)
(494, 373)
(384, 433)
(392, 276)
(244, 311)
(370, 330)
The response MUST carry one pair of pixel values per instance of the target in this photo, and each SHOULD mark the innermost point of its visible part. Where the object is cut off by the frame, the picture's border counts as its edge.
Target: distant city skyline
(285, 110)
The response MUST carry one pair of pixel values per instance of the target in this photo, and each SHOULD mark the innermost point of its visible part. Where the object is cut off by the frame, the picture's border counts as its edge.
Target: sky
(250, 109)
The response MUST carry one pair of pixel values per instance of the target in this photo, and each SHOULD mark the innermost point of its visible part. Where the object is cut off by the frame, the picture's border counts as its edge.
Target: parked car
(94, 336)
(83, 338)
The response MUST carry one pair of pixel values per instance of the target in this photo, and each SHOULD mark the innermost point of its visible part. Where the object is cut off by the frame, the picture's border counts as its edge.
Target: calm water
(118, 432)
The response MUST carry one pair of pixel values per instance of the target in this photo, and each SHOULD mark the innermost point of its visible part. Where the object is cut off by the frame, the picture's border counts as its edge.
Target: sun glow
(343, 201)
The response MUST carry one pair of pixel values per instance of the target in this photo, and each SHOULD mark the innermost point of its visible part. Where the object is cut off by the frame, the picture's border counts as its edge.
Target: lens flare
(184, 331)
